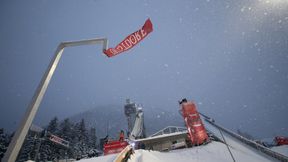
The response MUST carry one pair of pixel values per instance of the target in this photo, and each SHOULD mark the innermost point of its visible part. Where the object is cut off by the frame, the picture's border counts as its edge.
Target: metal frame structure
(169, 130)
(20, 134)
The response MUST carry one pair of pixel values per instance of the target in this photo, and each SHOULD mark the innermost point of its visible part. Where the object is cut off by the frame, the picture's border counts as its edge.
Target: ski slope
(138, 128)
(107, 158)
(213, 151)
(281, 149)
(237, 147)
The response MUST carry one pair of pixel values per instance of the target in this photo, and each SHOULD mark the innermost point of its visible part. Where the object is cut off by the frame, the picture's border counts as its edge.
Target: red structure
(196, 129)
(113, 147)
(121, 136)
(281, 140)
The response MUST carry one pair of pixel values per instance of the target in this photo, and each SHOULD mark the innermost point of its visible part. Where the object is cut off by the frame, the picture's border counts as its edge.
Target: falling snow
(228, 54)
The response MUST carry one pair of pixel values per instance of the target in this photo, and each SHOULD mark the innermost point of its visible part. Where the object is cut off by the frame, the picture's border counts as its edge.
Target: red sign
(59, 140)
(131, 40)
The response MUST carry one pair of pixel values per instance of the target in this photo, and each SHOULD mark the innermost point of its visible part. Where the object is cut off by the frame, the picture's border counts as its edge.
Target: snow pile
(281, 149)
(106, 158)
(214, 151)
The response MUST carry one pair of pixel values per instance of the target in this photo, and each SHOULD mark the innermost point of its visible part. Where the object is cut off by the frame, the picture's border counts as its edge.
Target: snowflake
(180, 20)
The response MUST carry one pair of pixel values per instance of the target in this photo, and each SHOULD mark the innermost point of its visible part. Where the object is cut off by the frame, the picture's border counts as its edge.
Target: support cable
(227, 146)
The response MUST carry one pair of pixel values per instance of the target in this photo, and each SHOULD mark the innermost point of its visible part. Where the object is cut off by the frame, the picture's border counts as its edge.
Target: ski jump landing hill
(241, 143)
(242, 150)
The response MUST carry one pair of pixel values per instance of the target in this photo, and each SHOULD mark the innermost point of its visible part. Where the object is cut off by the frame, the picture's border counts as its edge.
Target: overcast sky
(229, 56)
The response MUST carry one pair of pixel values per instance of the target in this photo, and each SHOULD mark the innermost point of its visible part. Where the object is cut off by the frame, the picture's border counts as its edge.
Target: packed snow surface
(106, 158)
(214, 151)
(281, 149)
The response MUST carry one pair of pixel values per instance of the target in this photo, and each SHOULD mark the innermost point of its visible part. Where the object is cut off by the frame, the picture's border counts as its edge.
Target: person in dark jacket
(121, 136)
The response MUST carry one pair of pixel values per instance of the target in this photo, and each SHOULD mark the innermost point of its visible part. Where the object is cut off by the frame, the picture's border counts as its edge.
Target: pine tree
(92, 143)
(65, 130)
(92, 138)
(83, 131)
(27, 151)
(47, 150)
(53, 126)
(81, 144)
(3, 143)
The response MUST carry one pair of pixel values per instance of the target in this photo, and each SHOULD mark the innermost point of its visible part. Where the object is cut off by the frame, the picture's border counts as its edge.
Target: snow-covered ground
(214, 151)
(108, 158)
(281, 149)
(237, 145)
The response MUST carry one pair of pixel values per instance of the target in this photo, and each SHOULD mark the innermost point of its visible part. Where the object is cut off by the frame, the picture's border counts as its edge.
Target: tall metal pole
(20, 134)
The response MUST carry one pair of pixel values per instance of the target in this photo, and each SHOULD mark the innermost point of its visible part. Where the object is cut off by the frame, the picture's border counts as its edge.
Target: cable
(227, 145)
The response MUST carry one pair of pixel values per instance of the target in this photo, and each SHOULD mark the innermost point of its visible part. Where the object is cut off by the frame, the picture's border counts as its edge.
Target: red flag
(131, 40)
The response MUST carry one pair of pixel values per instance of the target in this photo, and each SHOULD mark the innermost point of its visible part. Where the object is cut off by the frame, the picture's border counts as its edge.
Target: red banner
(58, 140)
(131, 40)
